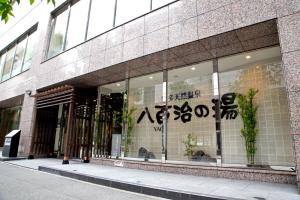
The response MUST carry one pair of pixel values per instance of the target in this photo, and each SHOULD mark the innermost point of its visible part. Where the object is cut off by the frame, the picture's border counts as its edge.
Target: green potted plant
(128, 117)
(247, 111)
(190, 146)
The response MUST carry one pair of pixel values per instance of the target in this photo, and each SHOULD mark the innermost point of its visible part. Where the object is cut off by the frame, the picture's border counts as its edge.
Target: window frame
(14, 44)
(126, 21)
(2, 67)
(21, 39)
(24, 61)
(63, 8)
(89, 16)
(69, 4)
(13, 58)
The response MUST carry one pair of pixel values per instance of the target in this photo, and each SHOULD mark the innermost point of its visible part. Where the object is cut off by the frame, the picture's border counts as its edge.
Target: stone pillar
(289, 36)
(67, 139)
(27, 120)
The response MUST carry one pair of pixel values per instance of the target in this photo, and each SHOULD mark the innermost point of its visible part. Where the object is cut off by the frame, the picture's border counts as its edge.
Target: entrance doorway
(60, 130)
(64, 123)
(43, 142)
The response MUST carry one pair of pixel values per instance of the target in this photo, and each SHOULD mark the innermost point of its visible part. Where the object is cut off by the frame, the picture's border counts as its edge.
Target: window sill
(14, 76)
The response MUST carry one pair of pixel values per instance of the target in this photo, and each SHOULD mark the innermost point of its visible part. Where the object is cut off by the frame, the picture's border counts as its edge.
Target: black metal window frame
(14, 44)
(68, 6)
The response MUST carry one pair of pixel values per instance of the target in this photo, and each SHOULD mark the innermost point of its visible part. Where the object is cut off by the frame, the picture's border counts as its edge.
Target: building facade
(157, 85)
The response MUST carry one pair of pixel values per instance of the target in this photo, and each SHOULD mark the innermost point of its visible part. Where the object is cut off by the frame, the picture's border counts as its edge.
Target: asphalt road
(18, 183)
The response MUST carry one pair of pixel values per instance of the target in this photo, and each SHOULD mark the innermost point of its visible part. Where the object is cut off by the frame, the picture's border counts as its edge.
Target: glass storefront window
(29, 51)
(9, 120)
(59, 25)
(8, 63)
(199, 98)
(261, 70)
(77, 23)
(109, 120)
(160, 3)
(130, 9)
(144, 134)
(101, 17)
(18, 60)
(191, 125)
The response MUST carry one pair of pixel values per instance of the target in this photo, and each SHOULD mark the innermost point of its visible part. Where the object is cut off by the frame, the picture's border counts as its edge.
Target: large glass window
(77, 23)
(160, 3)
(18, 59)
(260, 70)
(101, 17)
(29, 51)
(199, 98)
(191, 125)
(59, 25)
(8, 63)
(9, 120)
(127, 10)
(109, 120)
(145, 101)
(2, 62)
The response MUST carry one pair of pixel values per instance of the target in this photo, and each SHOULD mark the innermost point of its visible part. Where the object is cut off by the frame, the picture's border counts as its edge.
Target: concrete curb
(137, 188)
(12, 158)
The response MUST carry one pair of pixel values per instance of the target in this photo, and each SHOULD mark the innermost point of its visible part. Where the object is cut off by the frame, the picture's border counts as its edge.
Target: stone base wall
(263, 175)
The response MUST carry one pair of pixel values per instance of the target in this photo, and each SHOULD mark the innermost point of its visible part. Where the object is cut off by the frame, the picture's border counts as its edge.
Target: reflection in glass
(18, 60)
(160, 3)
(58, 35)
(144, 105)
(10, 120)
(77, 23)
(263, 72)
(8, 63)
(191, 125)
(130, 9)
(101, 17)
(109, 120)
(29, 51)
(2, 61)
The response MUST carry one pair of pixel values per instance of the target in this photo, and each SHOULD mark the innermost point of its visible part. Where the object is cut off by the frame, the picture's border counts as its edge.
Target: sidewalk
(7, 158)
(169, 185)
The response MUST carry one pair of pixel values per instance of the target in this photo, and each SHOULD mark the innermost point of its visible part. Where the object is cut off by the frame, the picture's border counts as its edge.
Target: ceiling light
(118, 84)
(28, 92)
(193, 68)
(248, 57)
(150, 77)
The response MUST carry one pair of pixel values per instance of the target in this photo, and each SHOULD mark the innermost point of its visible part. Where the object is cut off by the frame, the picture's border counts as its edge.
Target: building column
(27, 121)
(124, 145)
(164, 149)
(67, 139)
(289, 36)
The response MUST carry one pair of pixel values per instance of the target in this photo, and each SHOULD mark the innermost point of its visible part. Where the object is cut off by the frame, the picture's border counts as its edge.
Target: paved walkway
(2, 158)
(218, 187)
(18, 183)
